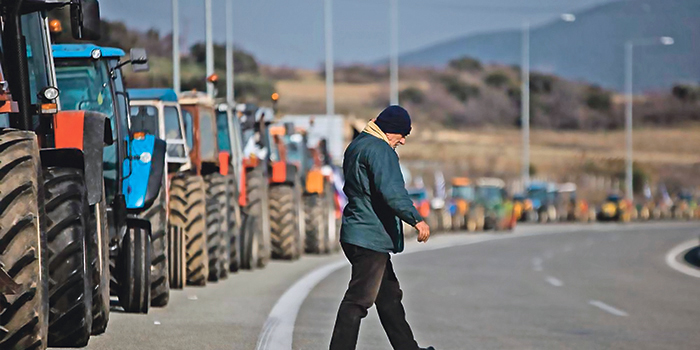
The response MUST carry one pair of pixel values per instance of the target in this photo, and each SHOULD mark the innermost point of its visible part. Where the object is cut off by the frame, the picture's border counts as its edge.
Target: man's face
(395, 140)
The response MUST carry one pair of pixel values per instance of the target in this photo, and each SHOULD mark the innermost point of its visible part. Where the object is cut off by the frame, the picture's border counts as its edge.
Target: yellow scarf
(375, 131)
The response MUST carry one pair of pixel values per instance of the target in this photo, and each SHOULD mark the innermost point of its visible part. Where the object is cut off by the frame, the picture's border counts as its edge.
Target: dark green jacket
(377, 196)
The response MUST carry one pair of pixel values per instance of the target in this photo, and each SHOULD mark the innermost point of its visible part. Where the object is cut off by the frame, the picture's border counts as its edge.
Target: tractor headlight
(96, 54)
(49, 93)
(145, 157)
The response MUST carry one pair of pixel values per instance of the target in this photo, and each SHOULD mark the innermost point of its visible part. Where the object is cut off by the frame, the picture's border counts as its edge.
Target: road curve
(544, 287)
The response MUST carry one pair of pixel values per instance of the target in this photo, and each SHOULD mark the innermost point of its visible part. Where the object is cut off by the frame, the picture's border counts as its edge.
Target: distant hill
(591, 48)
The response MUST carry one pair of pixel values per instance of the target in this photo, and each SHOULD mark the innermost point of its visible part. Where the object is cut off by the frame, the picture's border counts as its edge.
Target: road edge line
(673, 262)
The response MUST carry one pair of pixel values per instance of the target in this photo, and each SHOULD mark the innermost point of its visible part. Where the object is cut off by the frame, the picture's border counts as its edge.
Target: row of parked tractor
(485, 204)
(111, 197)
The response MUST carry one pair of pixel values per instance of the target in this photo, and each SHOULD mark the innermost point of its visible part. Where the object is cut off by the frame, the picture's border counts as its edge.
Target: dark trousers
(373, 282)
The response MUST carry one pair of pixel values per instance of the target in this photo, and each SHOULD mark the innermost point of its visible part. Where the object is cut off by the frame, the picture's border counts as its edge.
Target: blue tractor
(543, 196)
(90, 78)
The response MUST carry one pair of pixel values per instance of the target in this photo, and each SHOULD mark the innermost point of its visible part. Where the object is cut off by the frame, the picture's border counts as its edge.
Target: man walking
(371, 229)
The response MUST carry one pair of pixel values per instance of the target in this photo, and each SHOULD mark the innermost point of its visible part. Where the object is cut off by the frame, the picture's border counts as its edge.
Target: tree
(242, 60)
(466, 64)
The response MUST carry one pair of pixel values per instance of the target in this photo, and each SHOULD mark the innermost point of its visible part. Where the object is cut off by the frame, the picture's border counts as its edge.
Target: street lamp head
(667, 40)
(568, 17)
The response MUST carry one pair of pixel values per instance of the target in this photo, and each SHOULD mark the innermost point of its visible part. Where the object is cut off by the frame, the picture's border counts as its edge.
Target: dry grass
(557, 155)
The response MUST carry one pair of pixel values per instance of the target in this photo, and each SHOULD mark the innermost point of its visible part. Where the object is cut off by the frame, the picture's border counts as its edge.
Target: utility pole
(209, 46)
(230, 92)
(525, 104)
(176, 46)
(629, 102)
(330, 93)
(394, 54)
(629, 54)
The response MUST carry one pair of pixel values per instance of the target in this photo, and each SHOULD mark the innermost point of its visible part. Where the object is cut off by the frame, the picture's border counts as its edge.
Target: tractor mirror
(85, 19)
(139, 60)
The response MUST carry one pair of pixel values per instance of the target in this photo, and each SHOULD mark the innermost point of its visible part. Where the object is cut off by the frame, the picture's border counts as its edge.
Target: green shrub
(412, 94)
(497, 79)
(598, 99)
(466, 64)
(458, 88)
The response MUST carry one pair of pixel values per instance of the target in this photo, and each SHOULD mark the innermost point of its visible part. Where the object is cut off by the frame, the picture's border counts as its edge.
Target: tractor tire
(256, 241)
(215, 185)
(99, 266)
(316, 221)
(70, 284)
(284, 222)
(188, 210)
(552, 214)
(235, 227)
(160, 280)
(458, 222)
(177, 259)
(134, 266)
(228, 225)
(25, 317)
(332, 234)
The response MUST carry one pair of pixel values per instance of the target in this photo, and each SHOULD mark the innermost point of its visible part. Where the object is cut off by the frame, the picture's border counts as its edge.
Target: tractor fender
(142, 186)
(134, 222)
(283, 173)
(87, 132)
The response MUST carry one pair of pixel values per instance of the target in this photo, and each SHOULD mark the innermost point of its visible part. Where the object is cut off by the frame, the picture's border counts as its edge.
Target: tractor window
(37, 57)
(490, 194)
(144, 119)
(173, 132)
(207, 139)
(222, 131)
(463, 192)
(189, 133)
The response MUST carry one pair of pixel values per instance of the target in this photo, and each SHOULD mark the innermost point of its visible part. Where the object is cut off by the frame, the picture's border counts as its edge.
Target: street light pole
(629, 103)
(328, 21)
(176, 46)
(209, 46)
(525, 104)
(230, 97)
(629, 56)
(394, 54)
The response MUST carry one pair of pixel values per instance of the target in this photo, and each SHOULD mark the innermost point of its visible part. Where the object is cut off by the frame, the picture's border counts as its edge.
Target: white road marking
(673, 260)
(607, 308)
(278, 330)
(537, 264)
(157, 323)
(279, 326)
(192, 297)
(554, 281)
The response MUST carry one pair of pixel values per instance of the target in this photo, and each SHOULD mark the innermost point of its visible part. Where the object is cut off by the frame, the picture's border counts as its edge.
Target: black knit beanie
(394, 120)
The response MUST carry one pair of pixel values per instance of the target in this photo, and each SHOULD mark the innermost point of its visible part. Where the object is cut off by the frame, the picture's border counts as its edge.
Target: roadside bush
(598, 99)
(466, 64)
(458, 88)
(686, 93)
(497, 79)
(412, 94)
(541, 83)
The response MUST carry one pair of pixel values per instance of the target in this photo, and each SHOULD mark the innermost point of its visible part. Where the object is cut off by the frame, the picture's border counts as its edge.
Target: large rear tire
(284, 222)
(25, 316)
(188, 210)
(70, 285)
(160, 280)
(177, 259)
(316, 222)
(99, 266)
(134, 266)
(215, 185)
(235, 226)
(256, 238)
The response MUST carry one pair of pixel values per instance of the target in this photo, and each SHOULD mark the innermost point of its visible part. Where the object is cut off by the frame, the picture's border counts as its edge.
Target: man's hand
(423, 231)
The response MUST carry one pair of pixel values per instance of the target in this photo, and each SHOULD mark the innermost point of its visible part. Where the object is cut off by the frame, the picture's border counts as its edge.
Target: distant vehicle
(498, 209)
(467, 214)
(523, 210)
(543, 196)
(615, 208)
(420, 199)
(685, 207)
(572, 208)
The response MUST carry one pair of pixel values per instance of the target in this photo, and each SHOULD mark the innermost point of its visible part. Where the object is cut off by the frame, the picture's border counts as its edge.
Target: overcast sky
(290, 32)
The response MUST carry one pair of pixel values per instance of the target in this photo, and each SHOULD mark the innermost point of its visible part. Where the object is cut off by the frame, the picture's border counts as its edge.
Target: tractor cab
(91, 79)
(491, 194)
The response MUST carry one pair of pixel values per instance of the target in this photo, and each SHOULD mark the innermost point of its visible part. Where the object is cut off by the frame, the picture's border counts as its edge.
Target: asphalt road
(543, 287)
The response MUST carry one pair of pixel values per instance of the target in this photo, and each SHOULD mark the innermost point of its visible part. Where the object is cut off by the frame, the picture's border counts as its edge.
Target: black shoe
(428, 348)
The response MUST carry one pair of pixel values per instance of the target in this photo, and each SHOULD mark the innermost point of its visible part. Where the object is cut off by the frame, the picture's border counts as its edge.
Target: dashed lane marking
(554, 281)
(607, 308)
